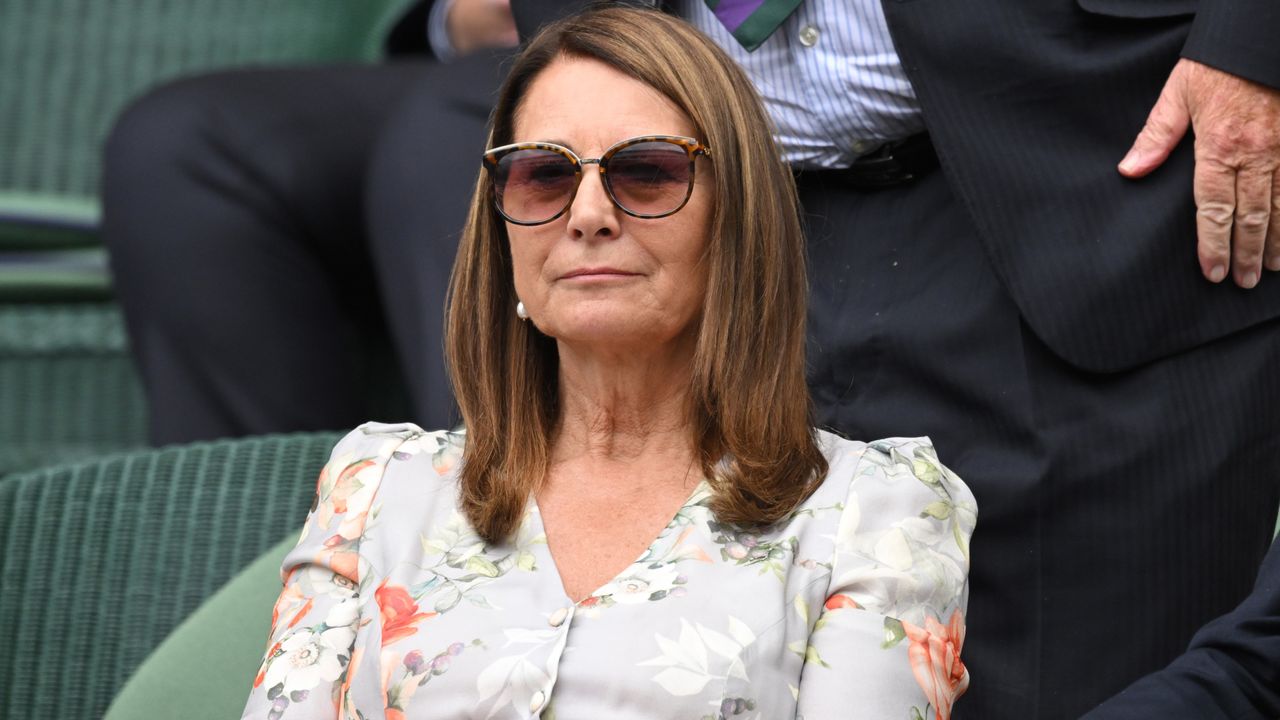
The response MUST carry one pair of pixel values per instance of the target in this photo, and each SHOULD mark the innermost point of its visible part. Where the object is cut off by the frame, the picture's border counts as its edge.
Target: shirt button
(861, 147)
(535, 702)
(558, 617)
(808, 36)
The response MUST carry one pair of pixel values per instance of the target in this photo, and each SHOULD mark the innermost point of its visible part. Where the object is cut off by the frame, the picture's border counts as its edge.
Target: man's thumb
(1166, 125)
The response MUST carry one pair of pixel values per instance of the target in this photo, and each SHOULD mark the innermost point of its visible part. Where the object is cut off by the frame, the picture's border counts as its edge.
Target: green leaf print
(482, 565)
(893, 633)
(448, 600)
(811, 657)
(939, 509)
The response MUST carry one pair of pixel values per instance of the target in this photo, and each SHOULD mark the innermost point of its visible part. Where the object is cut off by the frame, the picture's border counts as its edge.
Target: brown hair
(749, 405)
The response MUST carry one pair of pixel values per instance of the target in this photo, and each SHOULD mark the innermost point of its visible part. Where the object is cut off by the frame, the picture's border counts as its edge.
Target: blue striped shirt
(830, 78)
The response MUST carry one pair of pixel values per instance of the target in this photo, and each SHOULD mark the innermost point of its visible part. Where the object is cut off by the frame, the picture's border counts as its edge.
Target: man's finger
(1273, 225)
(1249, 228)
(1215, 194)
(1165, 128)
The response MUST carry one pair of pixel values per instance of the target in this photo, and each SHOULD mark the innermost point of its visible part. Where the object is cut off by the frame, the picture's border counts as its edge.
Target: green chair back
(68, 66)
(103, 559)
(68, 390)
(228, 633)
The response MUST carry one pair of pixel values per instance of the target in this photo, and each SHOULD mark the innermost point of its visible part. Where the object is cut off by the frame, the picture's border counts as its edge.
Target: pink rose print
(935, 660)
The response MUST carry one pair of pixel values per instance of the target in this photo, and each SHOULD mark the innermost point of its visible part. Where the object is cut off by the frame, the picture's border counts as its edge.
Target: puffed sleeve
(311, 653)
(887, 642)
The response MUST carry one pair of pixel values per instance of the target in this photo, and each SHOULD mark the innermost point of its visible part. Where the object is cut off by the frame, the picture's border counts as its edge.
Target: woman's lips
(597, 273)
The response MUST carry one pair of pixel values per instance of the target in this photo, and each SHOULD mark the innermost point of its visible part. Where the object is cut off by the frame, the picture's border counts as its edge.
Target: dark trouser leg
(421, 179)
(913, 335)
(234, 220)
(1116, 513)
(1159, 508)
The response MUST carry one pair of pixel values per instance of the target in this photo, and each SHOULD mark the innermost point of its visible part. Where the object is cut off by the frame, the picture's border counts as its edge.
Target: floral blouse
(850, 607)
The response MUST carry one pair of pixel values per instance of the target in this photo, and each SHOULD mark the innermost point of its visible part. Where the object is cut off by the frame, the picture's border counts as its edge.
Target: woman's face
(596, 276)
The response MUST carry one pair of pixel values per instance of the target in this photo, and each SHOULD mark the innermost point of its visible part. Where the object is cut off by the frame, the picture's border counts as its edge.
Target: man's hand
(1237, 178)
(477, 24)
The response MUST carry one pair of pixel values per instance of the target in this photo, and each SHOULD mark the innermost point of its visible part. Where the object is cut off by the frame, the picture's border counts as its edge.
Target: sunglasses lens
(650, 178)
(534, 185)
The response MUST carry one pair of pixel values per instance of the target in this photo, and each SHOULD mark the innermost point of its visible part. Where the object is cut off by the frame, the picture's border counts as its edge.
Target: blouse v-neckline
(538, 529)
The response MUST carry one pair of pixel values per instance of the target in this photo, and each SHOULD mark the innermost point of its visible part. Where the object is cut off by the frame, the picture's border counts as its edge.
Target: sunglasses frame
(691, 146)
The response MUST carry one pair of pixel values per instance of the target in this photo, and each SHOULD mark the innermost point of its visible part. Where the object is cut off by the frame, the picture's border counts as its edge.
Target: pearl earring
(521, 312)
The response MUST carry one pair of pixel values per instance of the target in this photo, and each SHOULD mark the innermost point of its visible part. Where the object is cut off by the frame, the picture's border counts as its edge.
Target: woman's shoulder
(896, 471)
(380, 460)
(902, 542)
(377, 443)
(395, 476)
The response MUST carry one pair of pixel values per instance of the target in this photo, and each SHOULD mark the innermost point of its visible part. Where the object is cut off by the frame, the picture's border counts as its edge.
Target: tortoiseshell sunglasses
(646, 177)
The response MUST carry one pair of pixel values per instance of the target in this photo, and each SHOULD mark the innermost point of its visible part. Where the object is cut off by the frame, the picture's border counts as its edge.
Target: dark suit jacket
(1031, 105)
(1231, 670)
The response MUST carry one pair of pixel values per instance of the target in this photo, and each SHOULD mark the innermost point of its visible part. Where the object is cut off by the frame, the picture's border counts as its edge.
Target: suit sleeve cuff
(1239, 37)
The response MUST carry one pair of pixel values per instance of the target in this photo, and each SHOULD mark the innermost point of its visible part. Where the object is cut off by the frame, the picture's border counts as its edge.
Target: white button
(558, 617)
(808, 36)
(535, 702)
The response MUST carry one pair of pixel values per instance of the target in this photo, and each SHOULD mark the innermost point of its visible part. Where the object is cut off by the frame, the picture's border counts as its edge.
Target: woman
(639, 521)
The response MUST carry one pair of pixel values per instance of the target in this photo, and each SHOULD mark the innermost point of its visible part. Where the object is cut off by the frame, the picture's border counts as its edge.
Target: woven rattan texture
(68, 389)
(101, 560)
(68, 66)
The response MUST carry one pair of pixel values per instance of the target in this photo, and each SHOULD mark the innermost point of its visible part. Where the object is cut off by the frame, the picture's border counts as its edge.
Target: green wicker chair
(67, 386)
(102, 559)
(67, 67)
(228, 632)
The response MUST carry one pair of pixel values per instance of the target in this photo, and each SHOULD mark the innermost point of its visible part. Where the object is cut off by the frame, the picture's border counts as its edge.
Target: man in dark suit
(1040, 316)
(1120, 429)
(1061, 331)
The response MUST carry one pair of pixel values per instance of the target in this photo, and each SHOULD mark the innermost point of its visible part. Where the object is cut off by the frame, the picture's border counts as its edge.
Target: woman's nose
(593, 216)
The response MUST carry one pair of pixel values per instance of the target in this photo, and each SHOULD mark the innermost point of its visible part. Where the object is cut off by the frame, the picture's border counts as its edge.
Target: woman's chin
(609, 332)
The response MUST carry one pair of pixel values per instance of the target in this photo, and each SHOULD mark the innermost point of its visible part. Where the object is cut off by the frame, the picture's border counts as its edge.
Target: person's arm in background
(458, 27)
(1230, 670)
(449, 29)
(1226, 89)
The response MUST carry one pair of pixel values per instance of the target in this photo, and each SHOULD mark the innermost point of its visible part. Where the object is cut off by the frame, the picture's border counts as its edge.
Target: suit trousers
(267, 227)
(1116, 513)
(270, 229)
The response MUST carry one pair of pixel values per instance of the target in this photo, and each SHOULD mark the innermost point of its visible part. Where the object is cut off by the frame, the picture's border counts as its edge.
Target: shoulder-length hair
(749, 407)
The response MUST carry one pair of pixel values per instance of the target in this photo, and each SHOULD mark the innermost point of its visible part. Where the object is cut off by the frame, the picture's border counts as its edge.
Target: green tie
(752, 21)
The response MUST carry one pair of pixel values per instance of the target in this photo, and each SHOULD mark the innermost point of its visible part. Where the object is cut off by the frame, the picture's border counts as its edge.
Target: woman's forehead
(587, 106)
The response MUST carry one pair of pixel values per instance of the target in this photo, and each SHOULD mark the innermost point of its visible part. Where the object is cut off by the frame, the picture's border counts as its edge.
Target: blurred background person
(265, 251)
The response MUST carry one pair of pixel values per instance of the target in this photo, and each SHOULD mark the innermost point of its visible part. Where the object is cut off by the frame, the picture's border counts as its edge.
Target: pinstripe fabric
(1030, 107)
(831, 100)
